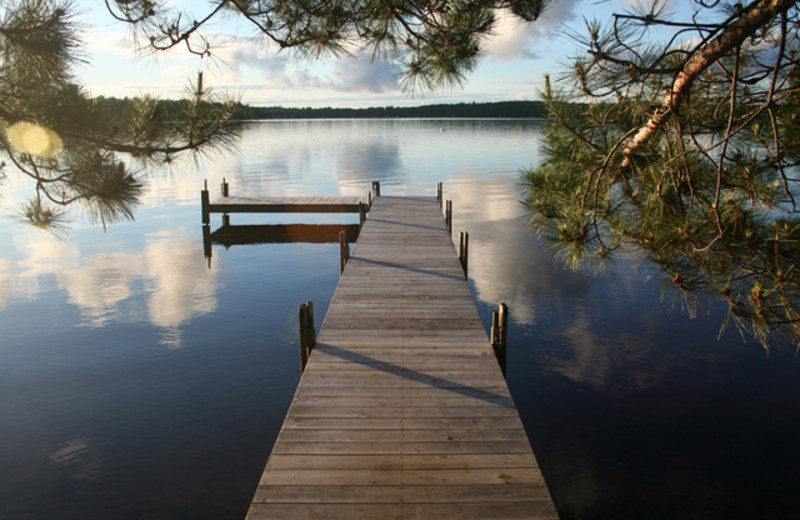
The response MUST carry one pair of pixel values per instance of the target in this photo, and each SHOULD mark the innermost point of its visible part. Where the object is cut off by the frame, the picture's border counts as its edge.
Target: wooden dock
(402, 411)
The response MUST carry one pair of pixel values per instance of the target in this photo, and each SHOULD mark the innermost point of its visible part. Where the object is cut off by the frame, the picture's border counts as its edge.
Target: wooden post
(376, 188)
(344, 251)
(439, 193)
(204, 202)
(308, 334)
(362, 213)
(500, 335)
(226, 220)
(463, 250)
(369, 200)
(448, 216)
(224, 187)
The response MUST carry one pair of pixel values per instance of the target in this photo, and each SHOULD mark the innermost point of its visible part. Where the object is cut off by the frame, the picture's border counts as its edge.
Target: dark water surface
(138, 382)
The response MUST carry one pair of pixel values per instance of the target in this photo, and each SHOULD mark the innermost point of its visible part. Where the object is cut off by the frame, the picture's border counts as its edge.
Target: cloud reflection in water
(166, 284)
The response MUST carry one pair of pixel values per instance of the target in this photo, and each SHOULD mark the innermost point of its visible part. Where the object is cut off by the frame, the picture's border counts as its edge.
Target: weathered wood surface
(286, 204)
(402, 411)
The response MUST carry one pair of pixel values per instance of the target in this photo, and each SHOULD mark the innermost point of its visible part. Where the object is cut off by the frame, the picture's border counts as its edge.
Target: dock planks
(402, 411)
(286, 205)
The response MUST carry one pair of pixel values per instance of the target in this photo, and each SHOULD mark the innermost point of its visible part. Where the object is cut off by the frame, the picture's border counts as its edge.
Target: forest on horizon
(499, 109)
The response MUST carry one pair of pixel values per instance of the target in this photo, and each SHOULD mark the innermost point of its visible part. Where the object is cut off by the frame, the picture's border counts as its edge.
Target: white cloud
(515, 38)
(240, 61)
(360, 74)
(178, 71)
(99, 40)
(510, 39)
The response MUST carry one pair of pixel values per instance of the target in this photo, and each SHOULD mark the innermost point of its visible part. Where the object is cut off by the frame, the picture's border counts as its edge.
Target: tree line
(170, 108)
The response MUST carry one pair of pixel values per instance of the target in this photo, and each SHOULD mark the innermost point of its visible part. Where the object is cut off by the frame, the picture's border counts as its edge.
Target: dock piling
(344, 251)
(224, 187)
(439, 193)
(463, 250)
(448, 216)
(308, 334)
(500, 335)
(362, 213)
(204, 202)
(376, 189)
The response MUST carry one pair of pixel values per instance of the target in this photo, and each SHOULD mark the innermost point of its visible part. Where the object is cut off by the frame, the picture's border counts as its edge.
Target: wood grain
(402, 411)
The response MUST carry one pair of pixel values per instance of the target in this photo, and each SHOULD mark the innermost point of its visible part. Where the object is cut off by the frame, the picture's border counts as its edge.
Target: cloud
(99, 40)
(360, 74)
(515, 38)
(178, 71)
(241, 61)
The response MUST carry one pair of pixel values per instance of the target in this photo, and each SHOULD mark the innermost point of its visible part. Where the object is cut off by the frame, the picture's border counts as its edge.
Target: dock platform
(402, 410)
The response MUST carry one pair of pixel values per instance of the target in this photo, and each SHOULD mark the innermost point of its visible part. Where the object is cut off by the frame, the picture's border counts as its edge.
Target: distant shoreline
(495, 110)
(243, 112)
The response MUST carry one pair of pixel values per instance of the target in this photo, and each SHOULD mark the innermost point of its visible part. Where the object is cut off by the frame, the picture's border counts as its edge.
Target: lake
(138, 380)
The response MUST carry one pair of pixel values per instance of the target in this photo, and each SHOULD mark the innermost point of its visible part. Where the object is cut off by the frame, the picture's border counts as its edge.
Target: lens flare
(34, 139)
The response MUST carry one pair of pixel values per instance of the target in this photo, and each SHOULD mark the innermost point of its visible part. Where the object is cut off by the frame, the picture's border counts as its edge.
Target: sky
(513, 67)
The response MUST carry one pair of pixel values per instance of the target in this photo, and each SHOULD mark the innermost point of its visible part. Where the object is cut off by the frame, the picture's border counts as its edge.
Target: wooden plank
(302, 410)
(401, 461)
(402, 411)
(409, 477)
(477, 435)
(393, 448)
(463, 511)
(397, 423)
(401, 494)
(286, 205)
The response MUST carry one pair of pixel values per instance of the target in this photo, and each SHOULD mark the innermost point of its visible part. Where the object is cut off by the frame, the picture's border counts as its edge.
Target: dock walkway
(402, 411)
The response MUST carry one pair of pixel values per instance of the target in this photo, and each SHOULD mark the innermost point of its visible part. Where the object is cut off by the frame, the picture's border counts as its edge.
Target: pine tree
(684, 148)
(73, 149)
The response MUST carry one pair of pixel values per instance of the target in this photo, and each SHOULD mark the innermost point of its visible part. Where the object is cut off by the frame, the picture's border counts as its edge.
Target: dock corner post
(362, 213)
(312, 332)
(448, 216)
(224, 187)
(439, 193)
(307, 333)
(344, 251)
(500, 335)
(204, 203)
(376, 188)
(463, 250)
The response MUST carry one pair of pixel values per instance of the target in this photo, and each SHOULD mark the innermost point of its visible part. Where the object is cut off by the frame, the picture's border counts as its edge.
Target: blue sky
(515, 62)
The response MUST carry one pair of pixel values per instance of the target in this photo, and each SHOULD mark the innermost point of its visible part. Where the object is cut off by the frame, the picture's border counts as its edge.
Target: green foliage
(702, 181)
(76, 150)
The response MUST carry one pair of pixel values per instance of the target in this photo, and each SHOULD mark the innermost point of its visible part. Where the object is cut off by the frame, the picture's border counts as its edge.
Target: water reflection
(166, 284)
(375, 160)
(593, 330)
(619, 397)
(231, 235)
(78, 458)
(502, 256)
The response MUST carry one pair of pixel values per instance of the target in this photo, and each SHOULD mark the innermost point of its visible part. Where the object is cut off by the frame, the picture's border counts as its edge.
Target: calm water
(138, 382)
